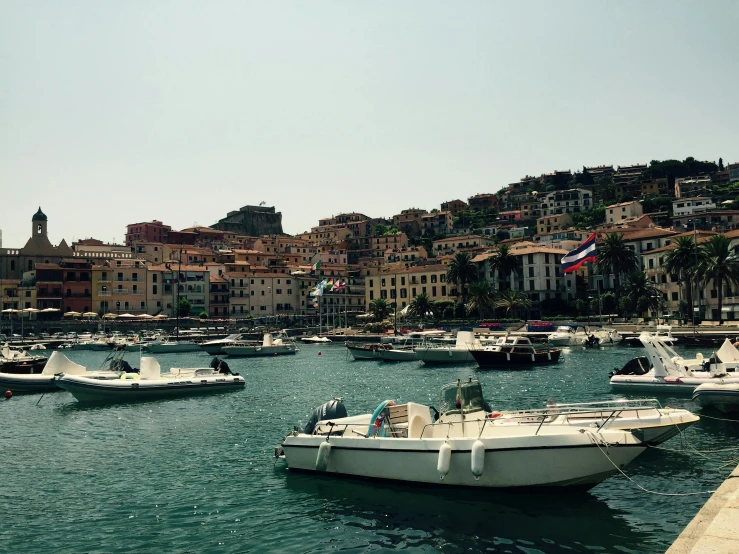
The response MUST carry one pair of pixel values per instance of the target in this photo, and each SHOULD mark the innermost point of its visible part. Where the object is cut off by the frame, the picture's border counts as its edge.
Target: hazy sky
(119, 112)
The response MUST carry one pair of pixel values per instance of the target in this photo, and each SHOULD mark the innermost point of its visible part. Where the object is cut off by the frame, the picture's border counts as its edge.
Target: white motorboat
(722, 396)
(16, 360)
(646, 418)
(608, 337)
(44, 381)
(663, 371)
(172, 346)
(38, 346)
(462, 448)
(215, 347)
(568, 335)
(270, 346)
(149, 384)
(662, 333)
(455, 354)
(315, 339)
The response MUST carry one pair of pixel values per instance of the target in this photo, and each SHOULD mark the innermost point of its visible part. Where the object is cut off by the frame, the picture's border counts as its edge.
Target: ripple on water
(197, 474)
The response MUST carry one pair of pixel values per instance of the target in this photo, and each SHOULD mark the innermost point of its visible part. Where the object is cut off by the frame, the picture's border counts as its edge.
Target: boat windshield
(564, 329)
(462, 398)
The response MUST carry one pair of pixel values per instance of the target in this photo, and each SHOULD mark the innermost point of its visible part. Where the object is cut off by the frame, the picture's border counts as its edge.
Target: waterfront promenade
(714, 529)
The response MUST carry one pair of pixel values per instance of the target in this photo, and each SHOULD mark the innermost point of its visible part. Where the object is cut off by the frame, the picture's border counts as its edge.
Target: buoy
(478, 459)
(445, 460)
(322, 459)
(8, 395)
(275, 353)
(319, 352)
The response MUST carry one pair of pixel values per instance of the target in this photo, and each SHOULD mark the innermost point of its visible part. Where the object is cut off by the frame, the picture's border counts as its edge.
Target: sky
(120, 112)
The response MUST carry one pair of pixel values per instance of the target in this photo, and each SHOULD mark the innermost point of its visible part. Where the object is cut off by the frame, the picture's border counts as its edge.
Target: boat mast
(177, 305)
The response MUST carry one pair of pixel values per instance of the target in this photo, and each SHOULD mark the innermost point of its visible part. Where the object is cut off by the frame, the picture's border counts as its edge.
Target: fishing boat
(663, 371)
(270, 346)
(14, 360)
(214, 347)
(722, 396)
(461, 448)
(457, 353)
(148, 384)
(514, 352)
(367, 351)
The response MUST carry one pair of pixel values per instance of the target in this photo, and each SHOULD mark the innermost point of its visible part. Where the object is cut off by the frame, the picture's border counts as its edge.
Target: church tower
(38, 224)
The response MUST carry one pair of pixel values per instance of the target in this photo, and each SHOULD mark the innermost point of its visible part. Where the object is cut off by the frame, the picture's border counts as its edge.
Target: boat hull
(432, 356)
(723, 398)
(173, 348)
(94, 391)
(398, 356)
(253, 351)
(660, 385)
(541, 463)
(359, 353)
(23, 367)
(16, 382)
(506, 360)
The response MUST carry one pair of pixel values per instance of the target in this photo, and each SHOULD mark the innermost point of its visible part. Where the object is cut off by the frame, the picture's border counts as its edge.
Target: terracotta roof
(175, 266)
(538, 250)
(622, 204)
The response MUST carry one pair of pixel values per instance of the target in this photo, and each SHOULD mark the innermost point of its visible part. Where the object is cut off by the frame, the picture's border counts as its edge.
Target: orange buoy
(8, 395)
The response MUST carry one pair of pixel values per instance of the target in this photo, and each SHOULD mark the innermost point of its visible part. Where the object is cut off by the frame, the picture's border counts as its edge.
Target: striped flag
(574, 259)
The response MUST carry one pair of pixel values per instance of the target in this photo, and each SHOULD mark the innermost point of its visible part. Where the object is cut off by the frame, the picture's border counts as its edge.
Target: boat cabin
(512, 345)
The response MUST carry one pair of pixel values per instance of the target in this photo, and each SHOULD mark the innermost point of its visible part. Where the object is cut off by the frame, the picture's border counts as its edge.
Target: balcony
(120, 291)
(106, 281)
(137, 292)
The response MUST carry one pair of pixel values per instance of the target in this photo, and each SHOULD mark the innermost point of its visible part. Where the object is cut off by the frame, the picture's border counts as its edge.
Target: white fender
(445, 460)
(533, 357)
(549, 356)
(478, 459)
(508, 356)
(324, 450)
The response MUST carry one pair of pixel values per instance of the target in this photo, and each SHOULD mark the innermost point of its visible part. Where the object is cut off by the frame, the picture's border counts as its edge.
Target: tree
(461, 271)
(720, 164)
(588, 219)
(203, 315)
(183, 307)
(512, 300)
(380, 229)
(481, 298)
(718, 263)
(642, 293)
(614, 257)
(683, 262)
(421, 306)
(505, 263)
(379, 308)
(608, 303)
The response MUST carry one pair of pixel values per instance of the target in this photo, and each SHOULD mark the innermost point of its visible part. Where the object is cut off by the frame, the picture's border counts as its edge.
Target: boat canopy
(461, 398)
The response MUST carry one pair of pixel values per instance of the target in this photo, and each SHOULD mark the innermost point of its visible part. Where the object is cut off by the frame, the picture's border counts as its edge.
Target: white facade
(689, 206)
(566, 202)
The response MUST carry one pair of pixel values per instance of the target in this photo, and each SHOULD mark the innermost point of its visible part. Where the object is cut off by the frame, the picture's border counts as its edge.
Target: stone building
(252, 221)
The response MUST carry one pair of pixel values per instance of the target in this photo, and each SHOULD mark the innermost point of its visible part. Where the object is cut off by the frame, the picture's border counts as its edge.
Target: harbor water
(198, 474)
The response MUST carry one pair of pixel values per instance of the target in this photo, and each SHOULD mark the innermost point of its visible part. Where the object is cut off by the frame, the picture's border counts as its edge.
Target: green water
(198, 474)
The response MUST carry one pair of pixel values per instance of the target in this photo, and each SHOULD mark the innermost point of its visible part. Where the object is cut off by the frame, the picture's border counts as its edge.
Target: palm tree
(683, 261)
(614, 257)
(505, 263)
(512, 300)
(481, 298)
(718, 263)
(461, 271)
(421, 306)
(642, 293)
(379, 308)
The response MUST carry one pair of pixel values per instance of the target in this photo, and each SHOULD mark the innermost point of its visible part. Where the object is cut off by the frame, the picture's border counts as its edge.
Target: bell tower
(39, 222)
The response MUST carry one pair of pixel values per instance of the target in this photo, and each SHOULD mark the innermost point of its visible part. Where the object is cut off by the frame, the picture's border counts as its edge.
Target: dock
(714, 529)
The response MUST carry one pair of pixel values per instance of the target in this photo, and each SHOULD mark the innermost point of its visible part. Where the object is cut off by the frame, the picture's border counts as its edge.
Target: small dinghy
(43, 381)
(150, 384)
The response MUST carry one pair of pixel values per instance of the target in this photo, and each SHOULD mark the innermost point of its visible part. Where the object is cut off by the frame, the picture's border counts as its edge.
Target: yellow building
(405, 283)
(120, 286)
(554, 222)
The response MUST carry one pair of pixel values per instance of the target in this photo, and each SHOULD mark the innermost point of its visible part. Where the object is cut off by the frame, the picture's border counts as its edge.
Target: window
(402, 281)
(674, 296)
(154, 278)
(382, 283)
(278, 291)
(433, 291)
(531, 258)
(262, 293)
(442, 278)
(531, 271)
(531, 285)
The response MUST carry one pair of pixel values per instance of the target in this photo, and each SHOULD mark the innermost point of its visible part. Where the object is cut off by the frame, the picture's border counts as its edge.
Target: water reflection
(469, 519)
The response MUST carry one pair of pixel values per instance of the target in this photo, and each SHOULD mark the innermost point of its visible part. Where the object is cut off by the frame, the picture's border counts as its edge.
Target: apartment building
(404, 284)
(624, 210)
(566, 201)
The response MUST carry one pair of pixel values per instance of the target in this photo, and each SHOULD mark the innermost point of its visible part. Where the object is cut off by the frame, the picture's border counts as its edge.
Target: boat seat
(397, 420)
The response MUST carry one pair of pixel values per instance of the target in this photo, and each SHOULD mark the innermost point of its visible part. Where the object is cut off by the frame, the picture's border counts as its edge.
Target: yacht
(568, 335)
(270, 346)
(215, 347)
(514, 352)
(722, 396)
(458, 448)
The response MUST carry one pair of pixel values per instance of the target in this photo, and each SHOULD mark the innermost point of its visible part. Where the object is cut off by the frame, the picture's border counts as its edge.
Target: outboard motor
(637, 366)
(333, 409)
(592, 341)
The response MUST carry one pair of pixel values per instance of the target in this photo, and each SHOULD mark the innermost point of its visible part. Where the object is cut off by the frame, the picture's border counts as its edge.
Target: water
(198, 474)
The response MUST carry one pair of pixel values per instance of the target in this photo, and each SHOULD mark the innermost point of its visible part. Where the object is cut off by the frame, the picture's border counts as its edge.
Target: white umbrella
(89, 314)
(145, 316)
(126, 316)
(31, 310)
(11, 311)
(72, 314)
(161, 316)
(110, 316)
(48, 310)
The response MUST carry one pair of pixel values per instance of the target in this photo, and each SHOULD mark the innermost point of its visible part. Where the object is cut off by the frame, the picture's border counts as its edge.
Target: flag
(316, 265)
(330, 285)
(586, 252)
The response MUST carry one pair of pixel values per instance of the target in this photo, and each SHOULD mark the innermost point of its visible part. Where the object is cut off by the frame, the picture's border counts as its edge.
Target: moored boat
(214, 347)
(514, 352)
(457, 353)
(19, 361)
(270, 346)
(722, 396)
(461, 448)
(45, 381)
(149, 384)
(398, 354)
(315, 339)
(367, 351)
(172, 346)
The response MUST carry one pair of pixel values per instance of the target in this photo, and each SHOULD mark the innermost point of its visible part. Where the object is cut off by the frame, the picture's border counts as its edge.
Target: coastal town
(463, 258)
